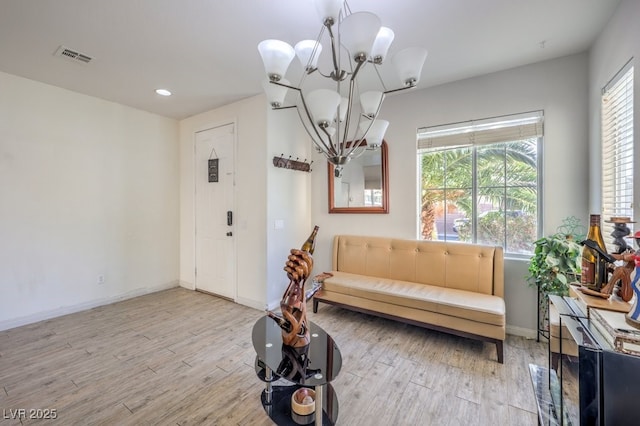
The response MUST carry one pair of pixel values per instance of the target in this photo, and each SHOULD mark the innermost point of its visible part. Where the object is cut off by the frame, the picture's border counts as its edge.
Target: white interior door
(215, 223)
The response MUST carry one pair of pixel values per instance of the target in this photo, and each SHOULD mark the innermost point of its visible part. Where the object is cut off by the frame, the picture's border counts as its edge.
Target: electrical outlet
(100, 279)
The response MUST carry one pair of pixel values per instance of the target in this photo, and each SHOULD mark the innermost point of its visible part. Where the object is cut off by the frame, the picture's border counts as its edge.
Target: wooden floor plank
(179, 357)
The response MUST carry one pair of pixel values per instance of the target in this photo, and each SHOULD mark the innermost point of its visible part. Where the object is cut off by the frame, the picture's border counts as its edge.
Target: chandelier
(342, 120)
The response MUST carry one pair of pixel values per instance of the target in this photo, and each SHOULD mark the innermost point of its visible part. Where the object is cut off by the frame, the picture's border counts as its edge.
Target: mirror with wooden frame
(363, 186)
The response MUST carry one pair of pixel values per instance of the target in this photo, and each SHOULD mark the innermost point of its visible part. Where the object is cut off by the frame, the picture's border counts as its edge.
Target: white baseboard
(250, 303)
(522, 332)
(187, 285)
(65, 310)
(240, 300)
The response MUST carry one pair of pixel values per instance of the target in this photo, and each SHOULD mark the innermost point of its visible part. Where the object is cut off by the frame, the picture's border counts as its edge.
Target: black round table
(315, 365)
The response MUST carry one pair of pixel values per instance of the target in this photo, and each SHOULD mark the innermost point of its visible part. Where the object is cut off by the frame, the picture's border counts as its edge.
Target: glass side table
(277, 361)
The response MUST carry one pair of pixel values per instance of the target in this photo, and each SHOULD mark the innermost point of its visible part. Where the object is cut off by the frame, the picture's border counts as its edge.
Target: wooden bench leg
(500, 351)
(315, 306)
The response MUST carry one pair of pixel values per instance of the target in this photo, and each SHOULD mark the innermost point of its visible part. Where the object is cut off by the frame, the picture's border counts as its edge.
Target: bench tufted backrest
(472, 267)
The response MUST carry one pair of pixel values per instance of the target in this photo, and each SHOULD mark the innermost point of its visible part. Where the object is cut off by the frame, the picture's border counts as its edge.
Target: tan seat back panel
(471, 267)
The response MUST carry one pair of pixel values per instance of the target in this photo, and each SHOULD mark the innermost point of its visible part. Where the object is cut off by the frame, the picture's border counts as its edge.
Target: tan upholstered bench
(457, 288)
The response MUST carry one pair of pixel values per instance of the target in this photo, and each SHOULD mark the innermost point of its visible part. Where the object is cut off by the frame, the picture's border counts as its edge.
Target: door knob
(229, 234)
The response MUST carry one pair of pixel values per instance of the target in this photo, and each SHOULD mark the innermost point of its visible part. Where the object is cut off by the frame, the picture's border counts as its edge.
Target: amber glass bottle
(310, 245)
(593, 275)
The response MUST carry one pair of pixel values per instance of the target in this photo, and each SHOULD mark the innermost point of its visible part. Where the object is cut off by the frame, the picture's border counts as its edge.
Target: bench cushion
(448, 301)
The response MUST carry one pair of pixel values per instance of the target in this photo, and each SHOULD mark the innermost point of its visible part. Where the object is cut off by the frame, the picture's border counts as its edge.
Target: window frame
(457, 132)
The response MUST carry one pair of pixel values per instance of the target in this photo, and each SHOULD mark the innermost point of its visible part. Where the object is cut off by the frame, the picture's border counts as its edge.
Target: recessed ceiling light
(163, 92)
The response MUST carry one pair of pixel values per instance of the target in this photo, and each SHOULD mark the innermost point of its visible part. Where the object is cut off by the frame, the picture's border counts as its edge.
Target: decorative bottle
(594, 273)
(310, 245)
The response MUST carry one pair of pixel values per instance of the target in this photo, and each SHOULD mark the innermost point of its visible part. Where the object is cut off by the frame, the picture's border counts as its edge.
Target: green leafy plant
(555, 263)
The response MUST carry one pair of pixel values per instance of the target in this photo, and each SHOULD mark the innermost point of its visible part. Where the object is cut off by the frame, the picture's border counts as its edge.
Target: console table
(274, 361)
(608, 379)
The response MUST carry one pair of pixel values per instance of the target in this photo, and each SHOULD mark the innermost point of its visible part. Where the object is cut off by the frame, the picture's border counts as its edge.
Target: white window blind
(617, 148)
(481, 132)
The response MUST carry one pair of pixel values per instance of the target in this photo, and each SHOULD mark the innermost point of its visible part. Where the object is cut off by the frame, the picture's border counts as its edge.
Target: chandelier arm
(338, 74)
(329, 148)
(366, 132)
(400, 89)
(288, 86)
(359, 154)
(315, 129)
(375, 67)
(321, 146)
(347, 120)
(333, 151)
(354, 146)
(359, 65)
(358, 143)
(315, 46)
(375, 115)
(325, 76)
(308, 69)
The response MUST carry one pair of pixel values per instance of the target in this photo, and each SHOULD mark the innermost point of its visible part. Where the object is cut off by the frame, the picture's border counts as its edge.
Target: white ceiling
(205, 51)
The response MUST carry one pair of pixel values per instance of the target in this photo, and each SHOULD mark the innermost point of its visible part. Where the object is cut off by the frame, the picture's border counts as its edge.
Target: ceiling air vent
(73, 55)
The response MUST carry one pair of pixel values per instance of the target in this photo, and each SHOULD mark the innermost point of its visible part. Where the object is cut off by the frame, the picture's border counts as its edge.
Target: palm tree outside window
(479, 182)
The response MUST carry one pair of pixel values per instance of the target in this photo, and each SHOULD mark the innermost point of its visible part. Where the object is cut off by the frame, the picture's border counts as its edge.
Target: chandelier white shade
(358, 32)
(381, 45)
(308, 52)
(323, 104)
(376, 132)
(328, 10)
(409, 63)
(370, 102)
(275, 93)
(276, 57)
(341, 120)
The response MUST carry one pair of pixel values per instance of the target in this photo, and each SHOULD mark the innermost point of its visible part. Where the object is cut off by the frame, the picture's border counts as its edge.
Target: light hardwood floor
(179, 357)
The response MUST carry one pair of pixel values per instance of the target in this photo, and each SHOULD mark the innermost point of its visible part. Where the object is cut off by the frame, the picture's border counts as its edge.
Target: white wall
(88, 188)
(559, 87)
(289, 198)
(618, 43)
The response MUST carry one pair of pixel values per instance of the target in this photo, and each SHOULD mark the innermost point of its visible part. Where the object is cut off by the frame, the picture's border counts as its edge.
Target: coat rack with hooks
(288, 163)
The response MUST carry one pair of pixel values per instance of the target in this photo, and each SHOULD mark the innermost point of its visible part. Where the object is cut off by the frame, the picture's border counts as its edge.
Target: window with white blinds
(479, 181)
(481, 132)
(617, 148)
